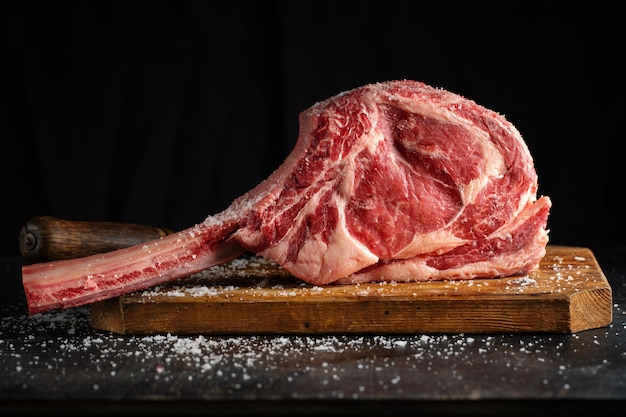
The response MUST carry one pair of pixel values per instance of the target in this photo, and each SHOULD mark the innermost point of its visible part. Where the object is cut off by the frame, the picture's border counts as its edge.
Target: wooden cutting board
(567, 294)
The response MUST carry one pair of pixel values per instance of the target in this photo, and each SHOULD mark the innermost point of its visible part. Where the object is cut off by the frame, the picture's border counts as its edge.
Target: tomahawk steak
(395, 181)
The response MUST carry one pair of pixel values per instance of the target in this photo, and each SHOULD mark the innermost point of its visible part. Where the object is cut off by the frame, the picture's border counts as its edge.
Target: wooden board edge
(597, 311)
(593, 308)
(369, 317)
(108, 315)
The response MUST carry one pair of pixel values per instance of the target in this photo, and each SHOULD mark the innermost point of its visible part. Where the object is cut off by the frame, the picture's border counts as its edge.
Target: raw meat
(395, 181)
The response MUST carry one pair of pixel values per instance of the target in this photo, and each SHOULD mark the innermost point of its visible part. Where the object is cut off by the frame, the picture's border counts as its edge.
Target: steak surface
(395, 181)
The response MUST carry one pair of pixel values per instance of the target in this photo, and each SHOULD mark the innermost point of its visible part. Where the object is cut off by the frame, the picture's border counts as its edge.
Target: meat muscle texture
(395, 181)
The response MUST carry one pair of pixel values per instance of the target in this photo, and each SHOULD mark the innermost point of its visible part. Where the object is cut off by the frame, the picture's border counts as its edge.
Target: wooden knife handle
(47, 238)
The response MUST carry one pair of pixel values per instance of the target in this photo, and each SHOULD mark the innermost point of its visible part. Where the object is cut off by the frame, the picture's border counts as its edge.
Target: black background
(161, 113)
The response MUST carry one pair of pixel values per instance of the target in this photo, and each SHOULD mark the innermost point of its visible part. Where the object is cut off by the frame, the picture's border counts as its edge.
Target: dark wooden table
(56, 363)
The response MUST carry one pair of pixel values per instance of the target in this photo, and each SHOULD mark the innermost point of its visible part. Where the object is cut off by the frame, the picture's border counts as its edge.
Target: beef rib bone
(394, 181)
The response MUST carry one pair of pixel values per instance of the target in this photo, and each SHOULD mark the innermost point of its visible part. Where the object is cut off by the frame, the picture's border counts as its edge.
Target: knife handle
(47, 238)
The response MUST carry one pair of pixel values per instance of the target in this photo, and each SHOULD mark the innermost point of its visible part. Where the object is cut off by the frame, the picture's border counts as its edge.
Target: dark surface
(55, 363)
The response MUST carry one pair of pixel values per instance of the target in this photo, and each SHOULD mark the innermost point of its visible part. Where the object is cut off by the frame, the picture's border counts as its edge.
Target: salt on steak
(395, 181)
